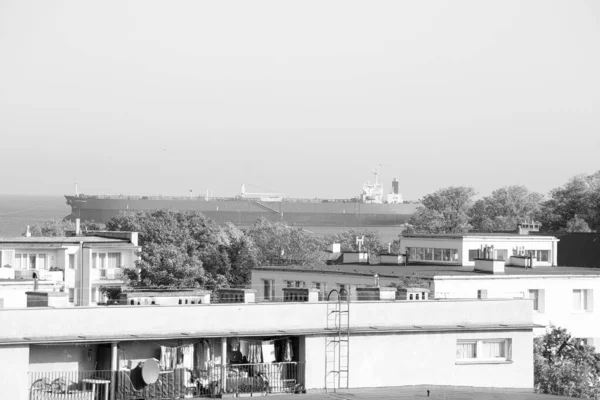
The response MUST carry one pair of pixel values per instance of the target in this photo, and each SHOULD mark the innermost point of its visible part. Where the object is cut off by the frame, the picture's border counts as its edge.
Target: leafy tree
(279, 244)
(565, 366)
(183, 249)
(580, 196)
(444, 211)
(505, 208)
(55, 227)
(577, 224)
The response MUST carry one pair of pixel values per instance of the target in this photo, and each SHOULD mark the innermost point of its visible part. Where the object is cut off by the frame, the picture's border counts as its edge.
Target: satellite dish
(150, 371)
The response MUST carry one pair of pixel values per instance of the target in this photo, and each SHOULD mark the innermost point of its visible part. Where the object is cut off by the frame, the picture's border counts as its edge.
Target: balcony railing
(70, 385)
(265, 378)
(107, 273)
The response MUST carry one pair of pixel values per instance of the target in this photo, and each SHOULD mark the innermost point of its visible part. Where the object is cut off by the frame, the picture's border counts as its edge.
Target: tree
(564, 365)
(577, 224)
(55, 227)
(279, 244)
(505, 208)
(182, 249)
(444, 211)
(580, 196)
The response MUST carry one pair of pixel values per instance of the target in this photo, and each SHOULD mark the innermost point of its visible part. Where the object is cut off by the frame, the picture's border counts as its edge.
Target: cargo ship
(368, 209)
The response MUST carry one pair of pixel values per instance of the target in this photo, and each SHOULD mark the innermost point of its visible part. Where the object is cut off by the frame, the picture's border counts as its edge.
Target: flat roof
(437, 392)
(61, 239)
(475, 234)
(426, 271)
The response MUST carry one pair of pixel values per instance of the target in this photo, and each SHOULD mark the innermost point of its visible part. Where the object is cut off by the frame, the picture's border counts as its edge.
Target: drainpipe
(113, 369)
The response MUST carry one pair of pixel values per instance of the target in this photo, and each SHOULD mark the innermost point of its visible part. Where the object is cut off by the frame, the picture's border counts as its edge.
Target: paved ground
(420, 392)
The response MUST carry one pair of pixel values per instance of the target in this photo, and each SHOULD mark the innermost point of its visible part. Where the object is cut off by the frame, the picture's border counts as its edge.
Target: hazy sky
(305, 97)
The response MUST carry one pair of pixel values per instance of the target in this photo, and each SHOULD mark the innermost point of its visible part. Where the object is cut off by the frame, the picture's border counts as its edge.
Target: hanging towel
(288, 353)
(244, 347)
(268, 351)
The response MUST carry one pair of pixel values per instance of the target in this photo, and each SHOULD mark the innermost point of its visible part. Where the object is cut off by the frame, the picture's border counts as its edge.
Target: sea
(18, 211)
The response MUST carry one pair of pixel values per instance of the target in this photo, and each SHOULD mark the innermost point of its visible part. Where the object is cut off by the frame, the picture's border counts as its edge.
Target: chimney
(28, 233)
(77, 227)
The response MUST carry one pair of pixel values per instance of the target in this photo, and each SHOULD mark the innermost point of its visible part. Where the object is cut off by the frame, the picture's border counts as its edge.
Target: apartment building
(78, 264)
(243, 347)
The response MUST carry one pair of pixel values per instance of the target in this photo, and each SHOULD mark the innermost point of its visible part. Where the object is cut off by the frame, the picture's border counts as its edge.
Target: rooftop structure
(268, 347)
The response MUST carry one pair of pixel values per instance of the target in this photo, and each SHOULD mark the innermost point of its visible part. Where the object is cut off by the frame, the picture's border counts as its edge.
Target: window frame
(479, 351)
(268, 295)
(585, 301)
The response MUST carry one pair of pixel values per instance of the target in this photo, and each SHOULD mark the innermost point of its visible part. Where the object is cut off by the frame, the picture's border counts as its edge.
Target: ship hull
(244, 212)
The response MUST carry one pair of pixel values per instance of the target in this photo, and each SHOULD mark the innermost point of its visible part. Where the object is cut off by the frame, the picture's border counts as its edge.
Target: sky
(305, 98)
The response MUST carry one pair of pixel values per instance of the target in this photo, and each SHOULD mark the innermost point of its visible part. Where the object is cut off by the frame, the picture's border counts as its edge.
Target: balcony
(103, 274)
(41, 274)
(234, 379)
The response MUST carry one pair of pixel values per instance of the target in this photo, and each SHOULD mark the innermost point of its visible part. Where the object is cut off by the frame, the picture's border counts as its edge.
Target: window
(466, 350)
(535, 295)
(72, 261)
(432, 254)
(30, 261)
(114, 260)
(582, 299)
(71, 295)
(502, 255)
(483, 350)
(473, 254)
(540, 255)
(543, 255)
(106, 260)
(269, 289)
(297, 284)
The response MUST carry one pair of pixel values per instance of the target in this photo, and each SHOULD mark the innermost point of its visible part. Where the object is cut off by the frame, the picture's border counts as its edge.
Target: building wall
(441, 243)
(463, 245)
(252, 318)
(14, 365)
(62, 358)
(509, 244)
(382, 360)
(330, 281)
(556, 306)
(418, 359)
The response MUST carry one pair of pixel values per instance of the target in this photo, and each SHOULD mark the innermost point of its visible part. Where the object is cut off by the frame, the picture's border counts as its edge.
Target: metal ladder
(337, 342)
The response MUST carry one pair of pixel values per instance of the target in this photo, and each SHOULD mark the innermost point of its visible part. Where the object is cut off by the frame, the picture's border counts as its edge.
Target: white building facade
(78, 265)
(463, 249)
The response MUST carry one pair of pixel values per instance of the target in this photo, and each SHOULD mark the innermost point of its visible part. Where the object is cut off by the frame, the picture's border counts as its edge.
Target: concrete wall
(251, 318)
(418, 359)
(14, 365)
(13, 292)
(62, 358)
(557, 304)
